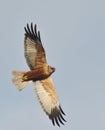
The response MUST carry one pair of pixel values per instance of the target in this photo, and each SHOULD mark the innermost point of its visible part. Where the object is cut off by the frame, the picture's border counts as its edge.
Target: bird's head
(51, 69)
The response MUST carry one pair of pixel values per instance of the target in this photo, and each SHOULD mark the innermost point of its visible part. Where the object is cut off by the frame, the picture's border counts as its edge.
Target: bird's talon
(25, 78)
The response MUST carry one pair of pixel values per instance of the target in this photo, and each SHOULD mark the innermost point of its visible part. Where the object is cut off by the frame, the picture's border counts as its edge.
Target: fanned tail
(17, 80)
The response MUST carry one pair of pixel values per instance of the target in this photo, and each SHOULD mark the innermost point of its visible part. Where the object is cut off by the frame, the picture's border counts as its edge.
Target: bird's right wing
(48, 99)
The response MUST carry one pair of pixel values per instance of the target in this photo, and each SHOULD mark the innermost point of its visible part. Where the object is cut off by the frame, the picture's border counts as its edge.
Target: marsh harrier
(40, 74)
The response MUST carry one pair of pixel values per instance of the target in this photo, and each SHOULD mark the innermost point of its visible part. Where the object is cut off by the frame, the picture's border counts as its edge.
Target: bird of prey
(40, 74)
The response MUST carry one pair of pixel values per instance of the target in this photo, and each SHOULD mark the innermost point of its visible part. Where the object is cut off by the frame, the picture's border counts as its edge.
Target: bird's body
(40, 74)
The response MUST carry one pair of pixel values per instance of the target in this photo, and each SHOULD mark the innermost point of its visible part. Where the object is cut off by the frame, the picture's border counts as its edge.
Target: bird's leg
(25, 78)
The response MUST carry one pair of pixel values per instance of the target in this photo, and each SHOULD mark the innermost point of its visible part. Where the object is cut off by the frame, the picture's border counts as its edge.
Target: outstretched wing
(48, 99)
(33, 49)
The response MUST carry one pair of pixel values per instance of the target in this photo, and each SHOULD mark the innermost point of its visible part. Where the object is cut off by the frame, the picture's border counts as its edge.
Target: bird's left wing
(33, 48)
(48, 99)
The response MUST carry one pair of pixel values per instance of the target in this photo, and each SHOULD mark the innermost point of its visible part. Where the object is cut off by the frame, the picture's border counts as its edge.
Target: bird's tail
(17, 80)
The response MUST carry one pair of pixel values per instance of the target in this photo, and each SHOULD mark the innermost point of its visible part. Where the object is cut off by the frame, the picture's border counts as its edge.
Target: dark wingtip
(31, 32)
(57, 116)
(62, 110)
(39, 35)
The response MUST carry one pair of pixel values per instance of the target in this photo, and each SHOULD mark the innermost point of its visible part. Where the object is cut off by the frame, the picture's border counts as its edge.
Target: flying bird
(40, 74)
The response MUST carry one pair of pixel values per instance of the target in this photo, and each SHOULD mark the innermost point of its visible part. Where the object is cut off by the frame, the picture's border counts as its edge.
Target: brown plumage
(40, 73)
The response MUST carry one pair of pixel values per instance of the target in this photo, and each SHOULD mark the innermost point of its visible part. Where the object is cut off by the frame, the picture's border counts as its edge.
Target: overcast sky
(73, 35)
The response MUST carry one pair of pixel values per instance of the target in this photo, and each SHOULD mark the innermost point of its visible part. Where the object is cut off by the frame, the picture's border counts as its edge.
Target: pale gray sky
(73, 35)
